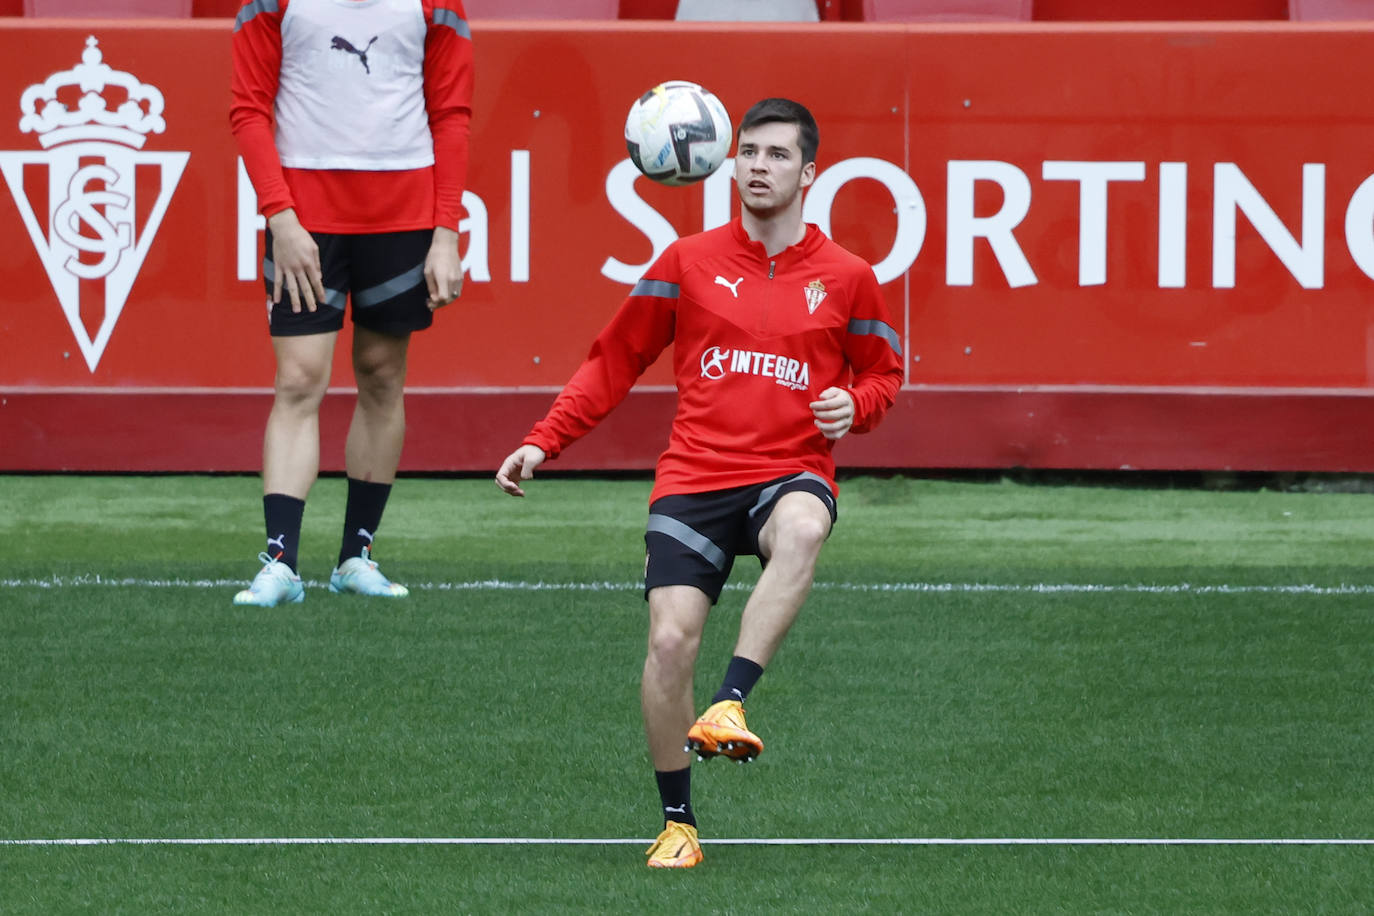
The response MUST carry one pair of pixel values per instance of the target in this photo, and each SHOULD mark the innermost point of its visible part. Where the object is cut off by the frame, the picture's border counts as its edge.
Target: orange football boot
(676, 847)
(721, 731)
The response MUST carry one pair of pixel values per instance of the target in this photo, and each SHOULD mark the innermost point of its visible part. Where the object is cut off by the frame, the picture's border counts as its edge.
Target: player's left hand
(519, 465)
(834, 411)
(443, 268)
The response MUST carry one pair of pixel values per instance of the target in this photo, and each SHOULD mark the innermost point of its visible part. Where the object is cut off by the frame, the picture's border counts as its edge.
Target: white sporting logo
(788, 372)
(732, 287)
(363, 532)
(680, 809)
(278, 542)
(91, 154)
(713, 363)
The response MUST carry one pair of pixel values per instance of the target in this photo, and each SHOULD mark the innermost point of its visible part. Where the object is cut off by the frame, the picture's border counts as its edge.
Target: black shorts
(383, 274)
(693, 538)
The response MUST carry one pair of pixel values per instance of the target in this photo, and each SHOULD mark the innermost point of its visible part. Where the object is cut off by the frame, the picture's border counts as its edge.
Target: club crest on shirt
(815, 295)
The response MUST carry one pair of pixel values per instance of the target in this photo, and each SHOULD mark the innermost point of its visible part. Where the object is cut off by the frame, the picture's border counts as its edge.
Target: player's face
(769, 169)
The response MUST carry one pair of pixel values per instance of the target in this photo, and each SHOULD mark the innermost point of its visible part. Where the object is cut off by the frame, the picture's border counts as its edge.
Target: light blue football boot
(360, 576)
(274, 584)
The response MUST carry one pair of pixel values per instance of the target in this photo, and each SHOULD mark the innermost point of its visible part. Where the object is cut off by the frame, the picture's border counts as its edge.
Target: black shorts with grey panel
(693, 538)
(383, 274)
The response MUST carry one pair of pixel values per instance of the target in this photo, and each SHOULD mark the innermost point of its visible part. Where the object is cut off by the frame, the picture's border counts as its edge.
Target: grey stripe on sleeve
(659, 288)
(877, 329)
(689, 537)
(453, 21)
(252, 9)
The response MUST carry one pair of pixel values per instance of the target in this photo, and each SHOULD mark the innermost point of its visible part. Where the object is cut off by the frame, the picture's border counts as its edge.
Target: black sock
(740, 678)
(675, 791)
(362, 516)
(283, 516)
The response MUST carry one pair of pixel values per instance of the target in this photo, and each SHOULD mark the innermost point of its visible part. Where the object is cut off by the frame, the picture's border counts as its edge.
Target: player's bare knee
(300, 385)
(380, 366)
(671, 645)
(380, 381)
(799, 535)
(670, 642)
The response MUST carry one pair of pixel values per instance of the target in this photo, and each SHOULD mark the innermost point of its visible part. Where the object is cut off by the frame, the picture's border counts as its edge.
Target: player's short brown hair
(785, 111)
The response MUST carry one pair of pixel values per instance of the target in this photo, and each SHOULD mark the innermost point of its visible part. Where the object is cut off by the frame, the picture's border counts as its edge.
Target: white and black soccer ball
(677, 133)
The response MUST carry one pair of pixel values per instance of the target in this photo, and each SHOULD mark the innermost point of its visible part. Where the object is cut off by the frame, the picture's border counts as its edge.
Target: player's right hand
(519, 465)
(297, 260)
(443, 268)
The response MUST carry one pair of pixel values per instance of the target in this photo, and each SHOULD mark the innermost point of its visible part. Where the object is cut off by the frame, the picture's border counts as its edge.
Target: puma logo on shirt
(343, 44)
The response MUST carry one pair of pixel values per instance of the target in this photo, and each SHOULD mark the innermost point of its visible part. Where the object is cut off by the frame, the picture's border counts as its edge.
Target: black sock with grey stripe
(740, 678)
(675, 791)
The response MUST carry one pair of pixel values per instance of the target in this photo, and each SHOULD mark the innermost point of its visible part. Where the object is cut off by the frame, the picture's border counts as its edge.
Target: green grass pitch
(939, 684)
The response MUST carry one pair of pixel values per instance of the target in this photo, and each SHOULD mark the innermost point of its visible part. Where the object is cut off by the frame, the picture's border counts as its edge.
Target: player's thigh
(303, 364)
(797, 519)
(379, 358)
(677, 617)
(388, 286)
(691, 539)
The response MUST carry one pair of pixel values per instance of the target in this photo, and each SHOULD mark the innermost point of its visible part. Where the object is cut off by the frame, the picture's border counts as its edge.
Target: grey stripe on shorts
(388, 288)
(689, 537)
(334, 298)
(767, 495)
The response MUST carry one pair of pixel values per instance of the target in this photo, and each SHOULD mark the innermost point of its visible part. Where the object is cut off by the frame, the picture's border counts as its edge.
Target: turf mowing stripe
(1046, 588)
(620, 841)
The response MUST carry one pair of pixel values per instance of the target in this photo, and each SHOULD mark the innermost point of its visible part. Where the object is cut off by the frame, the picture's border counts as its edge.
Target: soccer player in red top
(352, 119)
(782, 344)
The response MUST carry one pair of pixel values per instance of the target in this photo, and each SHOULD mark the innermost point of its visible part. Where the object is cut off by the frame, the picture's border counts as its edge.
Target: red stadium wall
(1105, 246)
(1041, 10)
(852, 10)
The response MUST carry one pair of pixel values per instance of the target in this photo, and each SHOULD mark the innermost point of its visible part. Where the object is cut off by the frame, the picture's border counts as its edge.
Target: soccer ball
(677, 133)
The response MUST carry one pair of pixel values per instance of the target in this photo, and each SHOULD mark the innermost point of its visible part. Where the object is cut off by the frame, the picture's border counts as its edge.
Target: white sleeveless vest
(351, 94)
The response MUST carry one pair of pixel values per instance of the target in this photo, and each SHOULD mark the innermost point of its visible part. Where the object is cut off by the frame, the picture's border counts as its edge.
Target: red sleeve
(448, 99)
(627, 346)
(256, 56)
(874, 352)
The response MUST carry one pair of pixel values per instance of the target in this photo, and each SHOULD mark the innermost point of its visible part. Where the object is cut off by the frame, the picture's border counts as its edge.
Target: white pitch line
(632, 841)
(1041, 588)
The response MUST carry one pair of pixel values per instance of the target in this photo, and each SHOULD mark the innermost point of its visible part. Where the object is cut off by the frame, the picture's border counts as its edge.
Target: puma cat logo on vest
(343, 44)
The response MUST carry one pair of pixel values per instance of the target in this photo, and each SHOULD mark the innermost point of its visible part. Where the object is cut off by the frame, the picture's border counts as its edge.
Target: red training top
(756, 339)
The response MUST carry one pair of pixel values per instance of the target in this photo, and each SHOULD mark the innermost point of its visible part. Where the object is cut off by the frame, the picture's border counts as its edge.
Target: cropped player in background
(352, 119)
(782, 344)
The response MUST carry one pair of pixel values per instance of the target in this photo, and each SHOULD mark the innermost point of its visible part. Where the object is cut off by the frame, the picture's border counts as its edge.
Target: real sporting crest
(91, 198)
(815, 295)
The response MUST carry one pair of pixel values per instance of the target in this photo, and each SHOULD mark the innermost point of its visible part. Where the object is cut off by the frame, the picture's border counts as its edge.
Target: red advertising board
(1105, 246)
